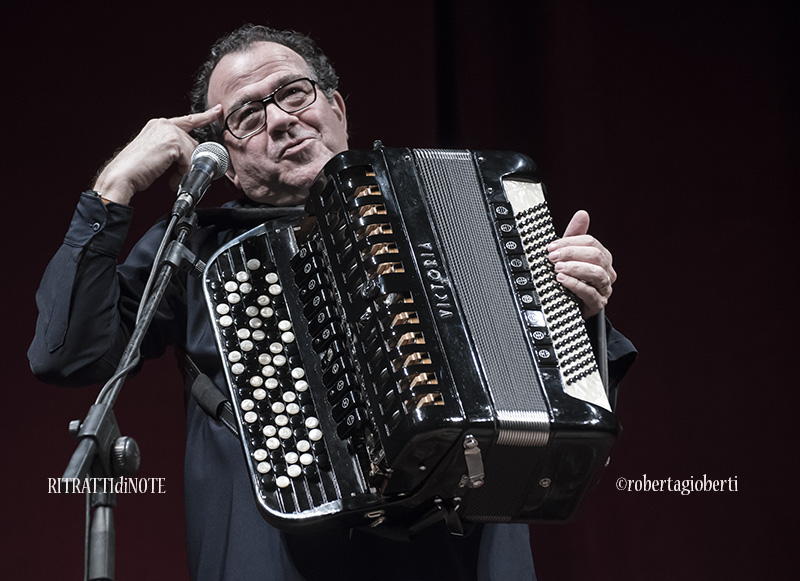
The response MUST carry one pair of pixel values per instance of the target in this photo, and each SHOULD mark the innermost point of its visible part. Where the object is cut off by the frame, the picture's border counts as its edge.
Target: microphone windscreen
(216, 151)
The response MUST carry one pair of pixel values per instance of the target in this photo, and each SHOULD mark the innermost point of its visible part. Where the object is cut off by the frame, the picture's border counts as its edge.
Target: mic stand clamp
(180, 257)
(104, 456)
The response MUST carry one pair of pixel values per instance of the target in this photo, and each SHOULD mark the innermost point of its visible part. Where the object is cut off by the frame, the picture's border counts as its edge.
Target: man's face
(278, 164)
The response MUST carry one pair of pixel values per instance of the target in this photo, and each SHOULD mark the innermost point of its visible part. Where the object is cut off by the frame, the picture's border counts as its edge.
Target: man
(246, 97)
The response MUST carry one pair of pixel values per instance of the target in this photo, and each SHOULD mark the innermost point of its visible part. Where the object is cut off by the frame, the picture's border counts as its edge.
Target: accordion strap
(245, 217)
(210, 399)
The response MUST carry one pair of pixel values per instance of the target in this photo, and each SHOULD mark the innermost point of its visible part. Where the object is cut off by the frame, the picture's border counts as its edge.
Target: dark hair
(240, 40)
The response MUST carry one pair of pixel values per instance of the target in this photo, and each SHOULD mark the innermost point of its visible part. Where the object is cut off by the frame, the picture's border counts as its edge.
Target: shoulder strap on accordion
(245, 217)
(210, 399)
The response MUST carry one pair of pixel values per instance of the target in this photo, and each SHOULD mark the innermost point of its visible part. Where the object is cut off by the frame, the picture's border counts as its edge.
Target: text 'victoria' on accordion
(406, 355)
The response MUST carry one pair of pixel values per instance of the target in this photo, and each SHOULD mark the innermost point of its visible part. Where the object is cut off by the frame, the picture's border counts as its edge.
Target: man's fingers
(598, 277)
(575, 243)
(592, 300)
(197, 120)
(583, 265)
(591, 254)
(579, 224)
(576, 232)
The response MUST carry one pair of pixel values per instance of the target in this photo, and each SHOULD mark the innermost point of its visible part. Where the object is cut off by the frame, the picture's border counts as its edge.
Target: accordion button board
(406, 355)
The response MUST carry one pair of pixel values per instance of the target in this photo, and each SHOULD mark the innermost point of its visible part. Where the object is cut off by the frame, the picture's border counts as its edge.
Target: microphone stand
(103, 456)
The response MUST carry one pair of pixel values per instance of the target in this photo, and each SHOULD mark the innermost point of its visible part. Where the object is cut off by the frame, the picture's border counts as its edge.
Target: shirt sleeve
(87, 304)
(620, 353)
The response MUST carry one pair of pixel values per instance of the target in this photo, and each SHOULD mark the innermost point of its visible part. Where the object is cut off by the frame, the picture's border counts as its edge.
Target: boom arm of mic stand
(98, 433)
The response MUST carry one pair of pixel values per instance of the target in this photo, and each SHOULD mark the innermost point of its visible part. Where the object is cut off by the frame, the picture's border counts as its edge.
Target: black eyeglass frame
(266, 101)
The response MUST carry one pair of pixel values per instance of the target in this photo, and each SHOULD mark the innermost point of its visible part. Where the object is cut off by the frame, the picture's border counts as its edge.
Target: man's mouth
(295, 146)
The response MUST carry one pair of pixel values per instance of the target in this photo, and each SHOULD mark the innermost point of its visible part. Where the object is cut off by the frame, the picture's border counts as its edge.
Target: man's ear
(337, 103)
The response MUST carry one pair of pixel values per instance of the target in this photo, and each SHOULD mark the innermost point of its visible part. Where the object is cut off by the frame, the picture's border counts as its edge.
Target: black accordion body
(405, 355)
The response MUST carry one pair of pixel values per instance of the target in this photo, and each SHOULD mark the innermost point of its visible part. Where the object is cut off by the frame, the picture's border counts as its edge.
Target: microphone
(209, 161)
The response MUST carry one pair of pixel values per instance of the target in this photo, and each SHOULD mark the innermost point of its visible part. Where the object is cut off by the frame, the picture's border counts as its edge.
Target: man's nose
(277, 119)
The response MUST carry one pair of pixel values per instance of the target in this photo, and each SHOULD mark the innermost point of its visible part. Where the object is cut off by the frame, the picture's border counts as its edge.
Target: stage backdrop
(673, 124)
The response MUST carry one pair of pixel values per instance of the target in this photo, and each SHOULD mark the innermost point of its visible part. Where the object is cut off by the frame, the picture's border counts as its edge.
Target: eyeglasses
(251, 117)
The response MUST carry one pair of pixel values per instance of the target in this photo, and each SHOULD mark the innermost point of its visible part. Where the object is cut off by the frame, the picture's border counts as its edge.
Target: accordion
(403, 355)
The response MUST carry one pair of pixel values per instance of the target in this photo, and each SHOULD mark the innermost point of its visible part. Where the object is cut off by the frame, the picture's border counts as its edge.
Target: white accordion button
(231, 286)
(284, 325)
(265, 358)
(263, 467)
(262, 300)
(315, 435)
(303, 445)
(260, 454)
(242, 276)
(253, 264)
(234, 356)
(275, 289)
(294, 470)
(271, 278)
(291, 457)
(223, 308)
(247, 404)
(282, 481)
(306, 459)
(259, 394)
(269, 431)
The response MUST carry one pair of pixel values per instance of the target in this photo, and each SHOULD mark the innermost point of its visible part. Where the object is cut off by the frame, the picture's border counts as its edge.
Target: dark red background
(674, 124)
